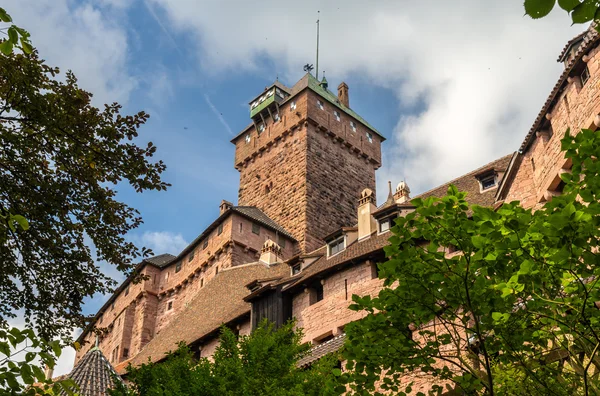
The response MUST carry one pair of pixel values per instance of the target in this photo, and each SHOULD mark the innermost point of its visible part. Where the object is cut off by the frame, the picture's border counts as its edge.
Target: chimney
(343, 94)
(402, 193)
(224, 207)
(270, 252)
(366, 206)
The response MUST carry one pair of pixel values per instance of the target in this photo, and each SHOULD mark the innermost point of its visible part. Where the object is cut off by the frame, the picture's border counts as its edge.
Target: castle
(307, 232)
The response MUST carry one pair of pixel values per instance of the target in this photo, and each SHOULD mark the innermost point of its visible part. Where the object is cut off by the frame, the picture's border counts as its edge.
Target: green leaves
(4, 17)
(62, 161)
(538, 8)
(584, 12)
(16, 36)
(568, 5)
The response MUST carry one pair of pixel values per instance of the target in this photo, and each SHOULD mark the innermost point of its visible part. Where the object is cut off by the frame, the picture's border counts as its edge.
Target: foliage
(60, 159)
(580, 11)
(263, 363)
(17, 376)
(16, 36)
(519, 294)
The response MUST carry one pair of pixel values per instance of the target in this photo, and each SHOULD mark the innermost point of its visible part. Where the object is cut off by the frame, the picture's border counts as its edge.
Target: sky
(452, 85)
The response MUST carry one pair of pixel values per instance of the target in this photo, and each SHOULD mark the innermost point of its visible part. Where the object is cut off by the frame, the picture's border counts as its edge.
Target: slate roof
(220, 301)
(590, 39)
(253, 213)
(93, 374)
(160, 261)
(321, 350)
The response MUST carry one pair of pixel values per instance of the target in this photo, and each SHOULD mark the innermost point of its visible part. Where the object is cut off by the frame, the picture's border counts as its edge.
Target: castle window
(241, 227)
(220, 229)
(125, 353)
(370, 137)
(217, 270)
(585, 75)
(127, 290)
(296, 268)
(319, 292)
(293, 105)
(320, 104)
(191, 256)
(112, 306)
(255, 229)
(261, 127)
(178, 266)
(353, 126)
(205, 244)
(248, 138)
(384, 225)
(336, 245)
(276, 117)
(487, 181)
(169, 305)
(336, 114)
(281, 242)
(202, 282)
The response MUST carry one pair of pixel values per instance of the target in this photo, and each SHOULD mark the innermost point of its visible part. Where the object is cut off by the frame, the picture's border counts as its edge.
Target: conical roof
(94, 374)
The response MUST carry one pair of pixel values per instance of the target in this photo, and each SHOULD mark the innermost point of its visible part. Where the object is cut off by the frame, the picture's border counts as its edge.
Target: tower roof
(94, 374)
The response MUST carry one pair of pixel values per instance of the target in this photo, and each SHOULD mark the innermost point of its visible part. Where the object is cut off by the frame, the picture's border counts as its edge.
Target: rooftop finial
(97, 340)
(390, 194)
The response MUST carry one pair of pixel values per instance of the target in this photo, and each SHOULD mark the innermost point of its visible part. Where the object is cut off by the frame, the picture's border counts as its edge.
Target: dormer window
(353, 126)
(384, 225)
(248, 138)
(336, 246)
(296, 268)
(370, 137)
(293, 105)
(585, 75)
(488, 180)
(336, 114)
(320, 104)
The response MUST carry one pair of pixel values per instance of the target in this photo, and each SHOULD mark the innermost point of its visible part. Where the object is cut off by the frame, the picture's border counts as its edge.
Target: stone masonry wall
(330, 315)
(541, 164)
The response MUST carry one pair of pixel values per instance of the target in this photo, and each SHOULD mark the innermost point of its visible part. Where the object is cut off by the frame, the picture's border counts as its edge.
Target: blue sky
(452, 85)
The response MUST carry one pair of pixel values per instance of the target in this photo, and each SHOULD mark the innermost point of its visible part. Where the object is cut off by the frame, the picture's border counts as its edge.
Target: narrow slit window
(369, 137)
(320, 105)
(353, 126)
(336, 114)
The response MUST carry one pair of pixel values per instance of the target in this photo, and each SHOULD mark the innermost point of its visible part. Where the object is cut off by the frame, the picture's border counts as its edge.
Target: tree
(19, 372)
(263, 363)
(16, 37)
(580, 11)
(519, 297)
(60, 161)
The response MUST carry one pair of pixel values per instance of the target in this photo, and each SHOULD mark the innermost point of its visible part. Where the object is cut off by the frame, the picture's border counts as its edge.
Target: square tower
(305, 158)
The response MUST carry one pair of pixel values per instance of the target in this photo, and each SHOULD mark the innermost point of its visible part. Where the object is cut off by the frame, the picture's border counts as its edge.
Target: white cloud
(82, 37)
(482, 69)
(161, 242)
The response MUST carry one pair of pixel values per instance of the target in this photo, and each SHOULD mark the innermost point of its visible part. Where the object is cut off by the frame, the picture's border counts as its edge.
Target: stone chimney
(402, 193)
(343, 94)
(366, 206)
(224, 207)
(269, 252)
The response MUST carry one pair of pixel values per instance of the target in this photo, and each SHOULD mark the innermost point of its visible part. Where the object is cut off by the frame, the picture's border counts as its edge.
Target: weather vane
(308, 67)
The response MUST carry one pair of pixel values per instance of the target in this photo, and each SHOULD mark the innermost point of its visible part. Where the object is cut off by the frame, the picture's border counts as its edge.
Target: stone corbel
(585, 58)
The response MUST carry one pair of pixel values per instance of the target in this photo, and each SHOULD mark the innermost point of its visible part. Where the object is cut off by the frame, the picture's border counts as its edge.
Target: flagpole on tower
(318, 14)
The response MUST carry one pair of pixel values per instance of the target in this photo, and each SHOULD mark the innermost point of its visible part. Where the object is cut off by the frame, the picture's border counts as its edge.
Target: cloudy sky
(452, 85)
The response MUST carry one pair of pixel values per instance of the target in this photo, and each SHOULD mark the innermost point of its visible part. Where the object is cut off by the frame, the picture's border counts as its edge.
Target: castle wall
(537, 175)
(330, 315)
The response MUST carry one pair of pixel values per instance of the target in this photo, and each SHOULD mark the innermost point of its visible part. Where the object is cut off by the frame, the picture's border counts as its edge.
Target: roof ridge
(473, 172)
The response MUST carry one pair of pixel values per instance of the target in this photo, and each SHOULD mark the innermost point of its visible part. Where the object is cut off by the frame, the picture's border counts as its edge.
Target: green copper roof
(332, 98)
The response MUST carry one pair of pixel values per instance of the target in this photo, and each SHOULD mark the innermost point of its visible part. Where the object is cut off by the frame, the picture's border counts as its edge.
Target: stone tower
(305, 158)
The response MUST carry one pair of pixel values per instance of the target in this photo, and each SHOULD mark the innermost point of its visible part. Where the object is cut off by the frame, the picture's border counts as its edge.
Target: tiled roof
(161, 261)
(321, 350)
(253, 213)
(470, 184)
(93, 374)
(575, 39)
(590, 39)
(375, 243)
(220, 301)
